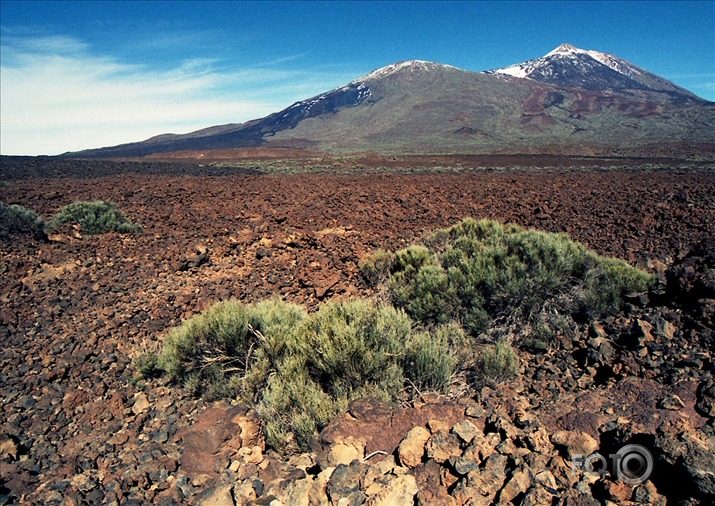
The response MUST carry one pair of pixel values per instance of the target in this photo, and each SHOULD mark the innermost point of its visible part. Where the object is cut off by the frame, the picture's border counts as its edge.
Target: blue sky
(77, 75)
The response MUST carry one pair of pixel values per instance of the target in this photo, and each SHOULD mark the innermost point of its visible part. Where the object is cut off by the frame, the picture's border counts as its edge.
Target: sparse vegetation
(496, 363)
(476, 281)
(148, 365)
(16, 220)
(97, 217)
(376, 268)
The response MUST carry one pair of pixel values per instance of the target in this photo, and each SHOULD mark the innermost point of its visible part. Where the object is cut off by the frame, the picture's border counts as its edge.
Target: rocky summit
(592, 411)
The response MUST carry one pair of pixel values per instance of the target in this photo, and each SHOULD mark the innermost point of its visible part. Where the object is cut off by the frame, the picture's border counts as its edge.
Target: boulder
(575, 443)
(412, 448)
(398, 490)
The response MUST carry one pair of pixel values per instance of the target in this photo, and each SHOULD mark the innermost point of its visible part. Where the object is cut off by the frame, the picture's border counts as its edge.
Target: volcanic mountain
(577, 68)
(571, 101)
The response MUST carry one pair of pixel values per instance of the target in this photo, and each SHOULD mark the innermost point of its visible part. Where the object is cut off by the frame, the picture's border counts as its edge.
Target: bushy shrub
(96, 217)
(496, 363)
(480, 270)
(356, 343)
(18, 220)
(274, 325)
(300, 370)
(205, 350)
(375, 268)
(433, 356)
(295, 408)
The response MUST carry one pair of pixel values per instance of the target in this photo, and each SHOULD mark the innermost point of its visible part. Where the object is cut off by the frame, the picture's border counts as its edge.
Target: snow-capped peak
(568, 65)
(565, 49)
(608, 60)
(570, 52)
(409, 65)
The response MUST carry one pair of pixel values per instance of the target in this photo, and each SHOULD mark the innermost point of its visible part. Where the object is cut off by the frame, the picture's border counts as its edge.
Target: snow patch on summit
(409, 65)
(565, 49)
(523, 70)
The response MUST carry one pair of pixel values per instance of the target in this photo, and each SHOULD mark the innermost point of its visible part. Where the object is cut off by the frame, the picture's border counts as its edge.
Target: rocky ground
(77, 427)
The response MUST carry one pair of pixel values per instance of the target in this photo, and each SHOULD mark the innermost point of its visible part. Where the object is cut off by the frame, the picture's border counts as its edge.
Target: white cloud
(56, 96)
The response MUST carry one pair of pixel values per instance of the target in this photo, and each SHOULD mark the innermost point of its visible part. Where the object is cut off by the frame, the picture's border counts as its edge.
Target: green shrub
(300, 370)
(607, 281)
(413, 258)
(148, 365)
(205, 350)
(496, 363)
(426, 294)
(433, 357)
(476, 271)
(376, 268)
(274, 324)
(352, 344)
(295, 408)
(96, 217)
(18, 220)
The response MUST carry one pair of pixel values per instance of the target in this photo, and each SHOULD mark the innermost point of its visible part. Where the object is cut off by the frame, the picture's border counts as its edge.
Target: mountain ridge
(568, 100)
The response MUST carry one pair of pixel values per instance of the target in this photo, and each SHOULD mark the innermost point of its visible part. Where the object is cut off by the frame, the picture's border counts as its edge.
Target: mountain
(571, 101)
(578, 68)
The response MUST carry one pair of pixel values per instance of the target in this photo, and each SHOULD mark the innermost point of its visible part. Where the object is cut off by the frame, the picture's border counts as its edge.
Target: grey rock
(466, 431)
(442, 446)
(345, 482)
(464, 465)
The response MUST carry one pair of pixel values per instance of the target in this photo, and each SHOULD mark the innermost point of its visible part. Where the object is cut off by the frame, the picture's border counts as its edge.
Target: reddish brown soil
(98, 301)
(373, 161)
(301, 236)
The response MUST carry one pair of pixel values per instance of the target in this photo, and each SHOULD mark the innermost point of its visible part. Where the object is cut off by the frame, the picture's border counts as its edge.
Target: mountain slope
(570, 101)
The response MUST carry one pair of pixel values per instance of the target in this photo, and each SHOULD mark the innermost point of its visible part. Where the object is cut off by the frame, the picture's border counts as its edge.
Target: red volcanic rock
(79, 424)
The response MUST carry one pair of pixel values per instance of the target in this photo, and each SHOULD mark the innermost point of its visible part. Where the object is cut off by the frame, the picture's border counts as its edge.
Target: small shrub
(18, 220)
(536, 345)
(356, 343)
(209, 347)
(376, 268)
(497, 363)
(539, 336)
(432, 357)
(606, 282)
(148, 365)
(96, 217)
